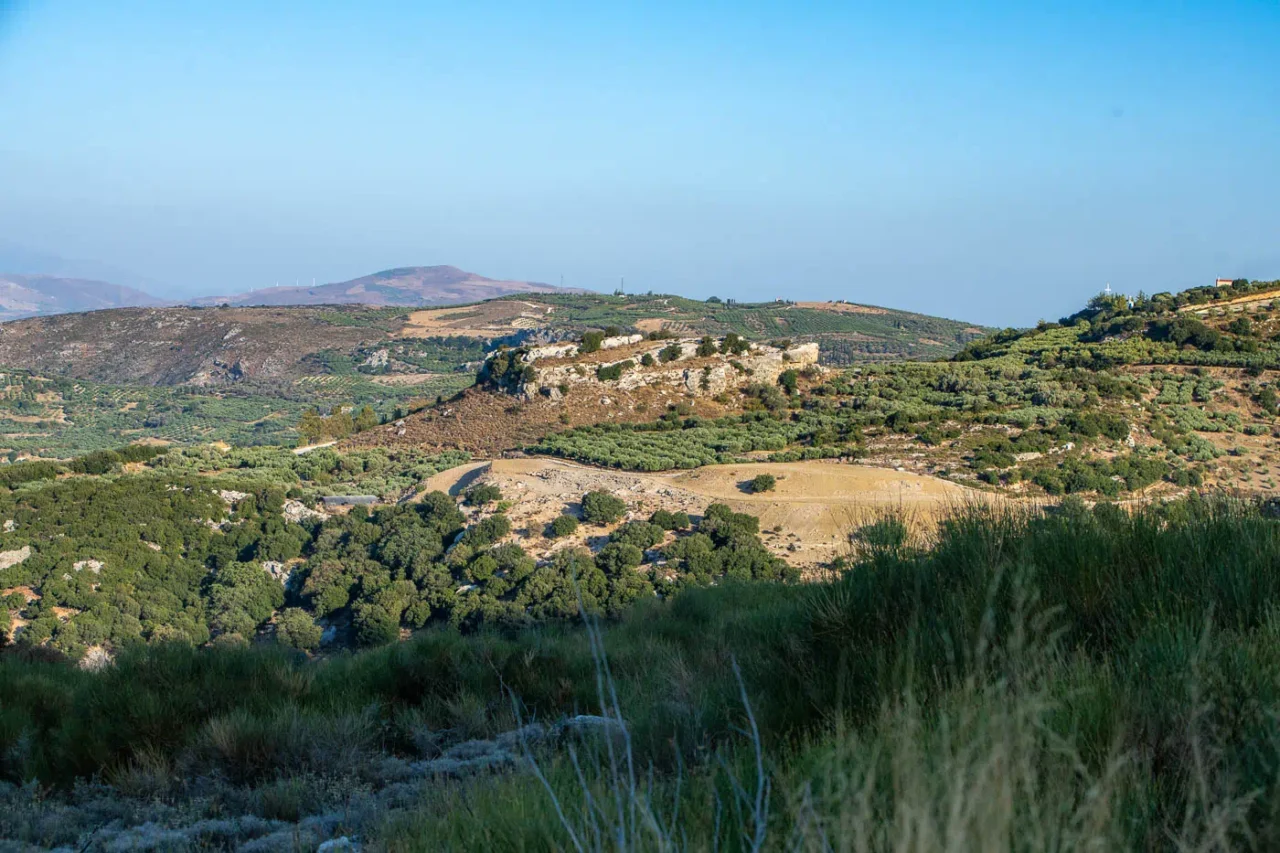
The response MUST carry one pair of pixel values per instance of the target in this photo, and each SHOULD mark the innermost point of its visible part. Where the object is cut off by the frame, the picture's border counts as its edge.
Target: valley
(708, 501)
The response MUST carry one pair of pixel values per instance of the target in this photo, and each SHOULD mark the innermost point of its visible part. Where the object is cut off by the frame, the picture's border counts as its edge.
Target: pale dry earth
(806, 520)
(491, 320)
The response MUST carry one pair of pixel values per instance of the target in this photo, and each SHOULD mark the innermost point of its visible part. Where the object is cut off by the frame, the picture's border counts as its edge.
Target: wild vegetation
(1079, 679)
(1109, 401)
(1058, 677)
(118, 558)
(61, 418)
(846, 336)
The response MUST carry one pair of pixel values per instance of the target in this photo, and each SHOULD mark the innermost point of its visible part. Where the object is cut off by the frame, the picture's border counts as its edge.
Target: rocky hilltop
(526, 393)
(675, 367)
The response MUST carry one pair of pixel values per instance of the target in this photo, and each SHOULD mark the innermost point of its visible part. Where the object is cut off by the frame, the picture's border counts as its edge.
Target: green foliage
(641, 534)
(591, 342)
(669, 520)
(763, 483)
(690, 443)
(563, 525)
(296, 629)
(789, 379)
(671, 352)
(27, 472)
(485, 493)
(342, 422)
(1269, 400)
(1073, 640)
(602, 508)
(734, 344)
(74, 418)
(613, 372)
(507, 369)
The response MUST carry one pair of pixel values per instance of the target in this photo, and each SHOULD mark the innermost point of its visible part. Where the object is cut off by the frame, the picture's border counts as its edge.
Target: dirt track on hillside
(806, 519)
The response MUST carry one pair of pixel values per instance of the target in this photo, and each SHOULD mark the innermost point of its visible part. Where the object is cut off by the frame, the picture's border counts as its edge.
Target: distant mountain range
(408, 286)
(34, 295)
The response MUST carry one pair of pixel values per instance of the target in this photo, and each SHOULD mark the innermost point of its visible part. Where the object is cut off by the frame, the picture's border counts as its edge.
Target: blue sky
(997, 162)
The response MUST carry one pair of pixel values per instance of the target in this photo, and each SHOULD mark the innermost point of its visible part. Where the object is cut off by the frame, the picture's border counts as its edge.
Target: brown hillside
(567, 393)
(171, 346)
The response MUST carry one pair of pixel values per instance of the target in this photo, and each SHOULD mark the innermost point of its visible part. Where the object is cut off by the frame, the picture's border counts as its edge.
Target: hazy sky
(997, 162)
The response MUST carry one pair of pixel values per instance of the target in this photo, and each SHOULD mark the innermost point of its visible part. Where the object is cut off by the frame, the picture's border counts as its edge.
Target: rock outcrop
(689, 373)
(14, 557)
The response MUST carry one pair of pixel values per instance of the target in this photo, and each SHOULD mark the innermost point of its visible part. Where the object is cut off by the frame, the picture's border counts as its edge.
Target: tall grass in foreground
(1073, 679)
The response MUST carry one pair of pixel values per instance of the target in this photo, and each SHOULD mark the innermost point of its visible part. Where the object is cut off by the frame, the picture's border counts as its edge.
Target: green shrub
(591, 342)
(482, 494)
(763, 483)
(563, 525)
(602, 508)
(733, 344)
(296, 628)
(613, 372)
(670, 352)
(641, 534)
(669, 520)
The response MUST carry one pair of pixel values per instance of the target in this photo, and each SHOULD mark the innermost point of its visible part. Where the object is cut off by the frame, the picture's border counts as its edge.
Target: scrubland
(1064, 678)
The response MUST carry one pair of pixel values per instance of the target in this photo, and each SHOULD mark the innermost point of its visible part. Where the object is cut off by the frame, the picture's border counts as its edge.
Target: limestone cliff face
(689, 373)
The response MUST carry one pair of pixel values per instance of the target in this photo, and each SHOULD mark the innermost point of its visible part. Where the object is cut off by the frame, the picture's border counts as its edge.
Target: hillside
(1135, 400)
(80, 382)
(36, 295)
(1038, 677)
(845, 332)
(955, 620)
(92, 380)
(407, 286)
(176, 345)
(527, 393)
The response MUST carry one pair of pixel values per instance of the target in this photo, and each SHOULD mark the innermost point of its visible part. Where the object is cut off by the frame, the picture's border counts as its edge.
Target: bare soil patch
(842, 307)
(488, 320)
(806, 520)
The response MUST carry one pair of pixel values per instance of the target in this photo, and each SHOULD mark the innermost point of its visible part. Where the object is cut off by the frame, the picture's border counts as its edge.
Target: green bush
(602, 508)
(296, 628)
(485, 493)
(613, 372)
(591, 342)
(669, 520)
(641, 534)
(763, 483)
(563, 525)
